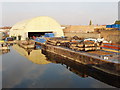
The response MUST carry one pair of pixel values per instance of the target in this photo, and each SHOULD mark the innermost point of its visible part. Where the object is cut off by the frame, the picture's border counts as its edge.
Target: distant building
(5, 29)
(4, 32)
(79, 28)
(36, 27)
(99, 28)
(113, 26)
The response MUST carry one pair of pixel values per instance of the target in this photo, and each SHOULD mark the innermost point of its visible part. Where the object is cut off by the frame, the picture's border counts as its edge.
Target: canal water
(34, 70)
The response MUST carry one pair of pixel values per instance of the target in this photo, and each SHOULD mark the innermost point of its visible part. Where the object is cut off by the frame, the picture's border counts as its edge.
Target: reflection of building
(34, 55)
(36, 27)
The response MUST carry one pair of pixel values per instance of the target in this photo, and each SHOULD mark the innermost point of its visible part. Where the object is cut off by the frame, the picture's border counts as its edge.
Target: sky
(119, 10)
(66, 13)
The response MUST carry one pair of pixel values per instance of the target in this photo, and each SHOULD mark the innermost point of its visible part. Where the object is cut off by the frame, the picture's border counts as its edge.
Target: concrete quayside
(109, 66)
(93, 61)
(95, 58)
(82, 70)
(78, 52)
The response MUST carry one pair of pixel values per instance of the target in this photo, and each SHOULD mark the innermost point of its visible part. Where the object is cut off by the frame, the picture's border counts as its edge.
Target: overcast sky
(68, 13)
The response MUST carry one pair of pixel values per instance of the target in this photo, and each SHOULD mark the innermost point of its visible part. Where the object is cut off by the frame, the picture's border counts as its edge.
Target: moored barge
(97, 58)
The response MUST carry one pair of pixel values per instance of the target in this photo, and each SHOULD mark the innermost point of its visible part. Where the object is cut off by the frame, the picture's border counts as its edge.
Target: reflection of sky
(22, 73)
(98, 84)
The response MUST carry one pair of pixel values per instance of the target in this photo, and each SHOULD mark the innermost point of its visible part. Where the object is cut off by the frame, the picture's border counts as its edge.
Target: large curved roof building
(36, 26)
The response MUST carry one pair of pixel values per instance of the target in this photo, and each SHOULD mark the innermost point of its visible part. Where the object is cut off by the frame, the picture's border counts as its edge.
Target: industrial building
(37, 26)
(79, 28)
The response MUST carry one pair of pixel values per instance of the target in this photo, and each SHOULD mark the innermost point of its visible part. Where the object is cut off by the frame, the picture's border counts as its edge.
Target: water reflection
(4, 51)
(82, 70)
(33, 55)
(19, 72)
(5, 48)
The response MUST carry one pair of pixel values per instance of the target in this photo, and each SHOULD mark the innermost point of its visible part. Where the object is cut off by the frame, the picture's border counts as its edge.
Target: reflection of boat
(4, 48)
(1, 48)
(33, 55)
(84, 70)
(27, 44)
(3, 51)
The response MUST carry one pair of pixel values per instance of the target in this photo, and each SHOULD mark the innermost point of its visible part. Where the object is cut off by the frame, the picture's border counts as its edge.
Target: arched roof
(20, 25)
(37, 23)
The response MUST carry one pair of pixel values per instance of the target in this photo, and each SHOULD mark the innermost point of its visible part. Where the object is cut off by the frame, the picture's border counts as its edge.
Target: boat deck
(109, 56)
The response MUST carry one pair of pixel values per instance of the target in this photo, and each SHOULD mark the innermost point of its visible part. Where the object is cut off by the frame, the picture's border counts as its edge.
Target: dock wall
(82, 70)
(83, 58)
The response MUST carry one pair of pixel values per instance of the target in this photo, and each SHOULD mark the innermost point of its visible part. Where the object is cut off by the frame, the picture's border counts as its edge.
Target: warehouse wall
(114, 38)
(79, 28)
(82, 35)
(112, 35)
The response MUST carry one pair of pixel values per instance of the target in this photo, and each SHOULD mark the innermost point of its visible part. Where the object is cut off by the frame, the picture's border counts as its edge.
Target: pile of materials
(57, 41)
(113, 26)
(41, 40)
(84, 46)
(77, 45)
(4, 46)
(110, 47)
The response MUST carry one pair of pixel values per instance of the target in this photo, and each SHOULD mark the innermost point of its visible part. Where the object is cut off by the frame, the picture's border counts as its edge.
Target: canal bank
(79, 64)
(111, 66)
(83, 71)
(23, 73)
(108, 66)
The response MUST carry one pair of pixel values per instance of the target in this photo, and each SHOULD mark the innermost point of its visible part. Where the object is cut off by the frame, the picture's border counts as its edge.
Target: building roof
(6, 27)
(37, 23)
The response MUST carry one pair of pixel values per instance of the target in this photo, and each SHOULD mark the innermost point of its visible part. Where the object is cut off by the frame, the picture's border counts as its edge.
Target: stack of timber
(77, 45)
(111, 47)
(84, 46)
(57, 41)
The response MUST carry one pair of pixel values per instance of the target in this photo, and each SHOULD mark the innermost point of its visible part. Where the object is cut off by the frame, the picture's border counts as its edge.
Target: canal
(35, 70)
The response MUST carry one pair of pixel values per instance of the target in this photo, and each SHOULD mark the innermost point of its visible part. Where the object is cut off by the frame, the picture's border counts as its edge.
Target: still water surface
(20, 70)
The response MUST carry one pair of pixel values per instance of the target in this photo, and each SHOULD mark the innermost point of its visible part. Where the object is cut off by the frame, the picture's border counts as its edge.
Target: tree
(90, 22)
(117, 22)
